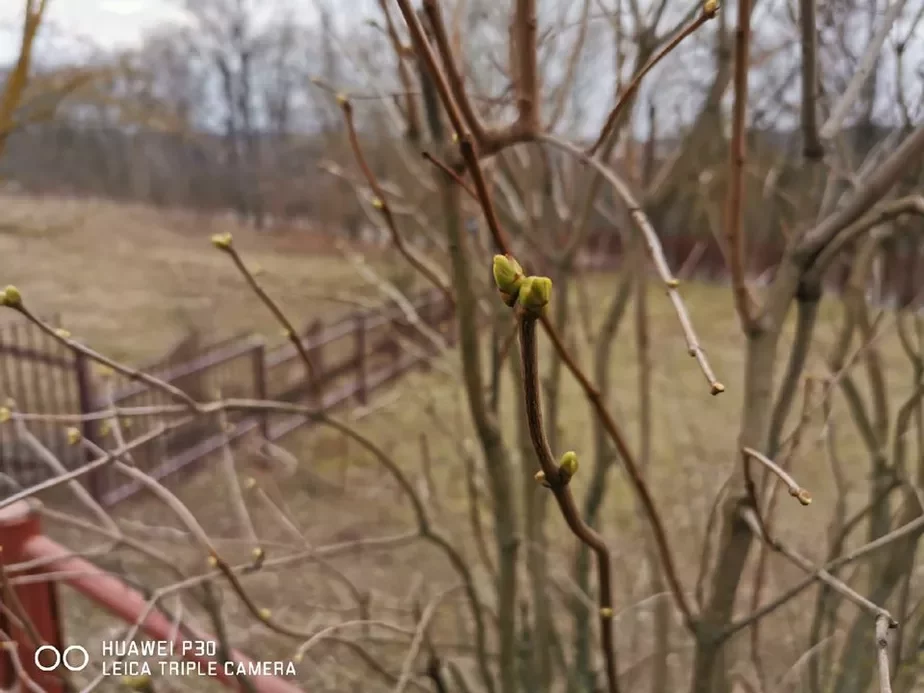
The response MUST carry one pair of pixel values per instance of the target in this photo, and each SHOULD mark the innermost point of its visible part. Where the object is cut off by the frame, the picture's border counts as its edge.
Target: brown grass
(692, 453)
(691, 458)
(129, 279)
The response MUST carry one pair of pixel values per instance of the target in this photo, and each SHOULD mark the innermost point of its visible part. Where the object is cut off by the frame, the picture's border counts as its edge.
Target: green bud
(11, 297)
(222, 241)
(568, 466)
(508, 275)
(535, 293)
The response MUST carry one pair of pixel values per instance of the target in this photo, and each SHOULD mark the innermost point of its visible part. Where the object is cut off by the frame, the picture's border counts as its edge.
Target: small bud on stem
(11, 297)
(535, 294)
(568, 466)
(222, 241)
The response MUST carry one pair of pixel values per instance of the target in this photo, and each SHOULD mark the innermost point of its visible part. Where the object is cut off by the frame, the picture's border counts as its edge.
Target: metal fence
(352, 356)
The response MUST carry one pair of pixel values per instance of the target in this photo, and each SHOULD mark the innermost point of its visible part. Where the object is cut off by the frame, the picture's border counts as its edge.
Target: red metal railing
(35, 602)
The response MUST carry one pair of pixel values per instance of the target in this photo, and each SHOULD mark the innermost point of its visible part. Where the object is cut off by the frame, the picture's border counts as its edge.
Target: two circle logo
(58, 657)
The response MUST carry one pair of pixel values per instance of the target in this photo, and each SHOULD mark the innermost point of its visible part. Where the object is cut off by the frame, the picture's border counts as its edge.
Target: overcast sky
(75, 26)
(106, 23)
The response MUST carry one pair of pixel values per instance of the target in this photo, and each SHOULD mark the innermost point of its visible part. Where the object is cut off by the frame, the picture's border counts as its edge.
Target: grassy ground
(130, 280)
(338, 493)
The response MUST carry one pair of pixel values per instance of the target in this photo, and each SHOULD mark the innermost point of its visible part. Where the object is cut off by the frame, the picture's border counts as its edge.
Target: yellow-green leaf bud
(508, 275)
(535, 293)
(11, 297)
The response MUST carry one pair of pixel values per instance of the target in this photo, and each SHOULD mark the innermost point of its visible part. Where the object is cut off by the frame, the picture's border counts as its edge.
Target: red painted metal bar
(37, 601)
(21, 539)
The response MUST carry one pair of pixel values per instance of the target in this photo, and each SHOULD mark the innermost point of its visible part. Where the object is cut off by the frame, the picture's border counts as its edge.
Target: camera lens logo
(75, 658)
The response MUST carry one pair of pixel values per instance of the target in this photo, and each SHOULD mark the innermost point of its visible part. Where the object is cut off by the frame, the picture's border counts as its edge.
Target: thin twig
(709, 11)
(381, 203)
(883, 626)
(225, 244)
(795, 490)
(560, 488)
(656, 252)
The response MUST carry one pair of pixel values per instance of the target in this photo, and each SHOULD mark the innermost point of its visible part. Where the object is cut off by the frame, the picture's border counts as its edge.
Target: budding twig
(381, 203)
(655, 251)
(709, 10)
(753, 522)
(224, 243)
(795, 490)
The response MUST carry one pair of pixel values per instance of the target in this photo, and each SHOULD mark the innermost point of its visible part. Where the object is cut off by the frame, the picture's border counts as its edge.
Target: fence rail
(352, 356)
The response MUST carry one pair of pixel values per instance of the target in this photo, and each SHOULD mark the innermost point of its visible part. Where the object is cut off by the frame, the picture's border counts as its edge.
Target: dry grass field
(125, 296)
(130, 280)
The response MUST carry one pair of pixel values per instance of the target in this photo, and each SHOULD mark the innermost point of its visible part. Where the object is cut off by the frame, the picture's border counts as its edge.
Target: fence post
(35, 603)
(87, 402)
(259, 385)
(362, 394)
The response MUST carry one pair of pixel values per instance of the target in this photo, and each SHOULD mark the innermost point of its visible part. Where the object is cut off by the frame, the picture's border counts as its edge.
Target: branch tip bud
(710, 7)
(222, 241)
(717, 389)
(535, 294)
(508, 274)
(802, 495)
(11, 296)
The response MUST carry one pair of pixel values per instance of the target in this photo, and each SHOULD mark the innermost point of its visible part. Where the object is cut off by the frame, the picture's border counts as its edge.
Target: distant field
(694, 440)
(129, 279)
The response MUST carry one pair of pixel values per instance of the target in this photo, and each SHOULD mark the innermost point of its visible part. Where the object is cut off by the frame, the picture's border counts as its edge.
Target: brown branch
(912, 204)
(811, 143)
(567, 81)
(655, 251)
(224, 243)
(381, 203)
(411, 112)
(18, 77)
(883, 626)
(11, 298)
(709, 11)
(822, 574)
(457, 179)
(524, 31)
(558, 483)
(734, 200)
(868, 194)
(796, 491)
(453, 75)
